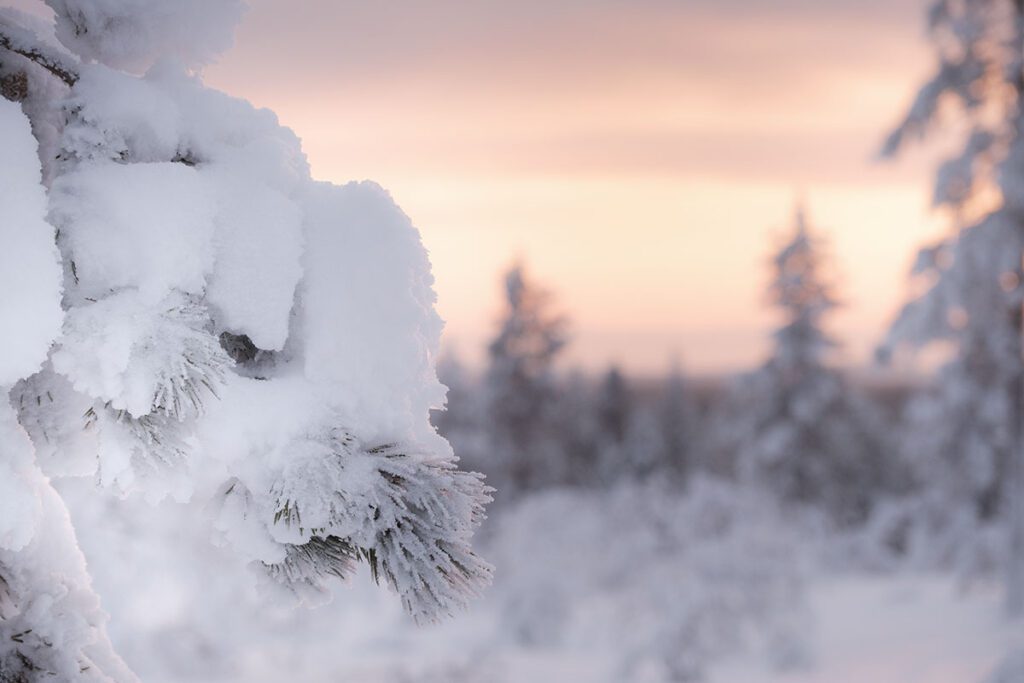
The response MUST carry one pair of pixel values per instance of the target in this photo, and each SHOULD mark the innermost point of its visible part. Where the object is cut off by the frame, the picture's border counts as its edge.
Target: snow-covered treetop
(531, 334)
(800, 290)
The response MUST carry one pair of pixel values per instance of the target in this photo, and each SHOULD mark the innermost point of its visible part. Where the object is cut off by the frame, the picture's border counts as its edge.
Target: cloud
(514, 44)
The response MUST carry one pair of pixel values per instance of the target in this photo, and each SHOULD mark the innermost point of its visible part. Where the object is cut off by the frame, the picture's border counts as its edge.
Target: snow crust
(147, 226)
(30, 312)
(359, 241)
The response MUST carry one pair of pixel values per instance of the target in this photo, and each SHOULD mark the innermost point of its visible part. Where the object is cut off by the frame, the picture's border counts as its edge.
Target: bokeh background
(672, 262)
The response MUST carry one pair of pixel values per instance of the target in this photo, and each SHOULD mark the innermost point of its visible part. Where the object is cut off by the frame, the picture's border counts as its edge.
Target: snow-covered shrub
(670, 582)
(922, 532)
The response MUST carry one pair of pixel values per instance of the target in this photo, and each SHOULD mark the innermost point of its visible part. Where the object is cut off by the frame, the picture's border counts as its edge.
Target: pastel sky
(642, 156)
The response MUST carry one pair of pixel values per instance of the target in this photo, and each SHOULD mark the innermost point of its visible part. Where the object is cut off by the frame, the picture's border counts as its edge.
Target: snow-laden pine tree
(521, 389)
(188, 314)
(796, 426)
(976, 297)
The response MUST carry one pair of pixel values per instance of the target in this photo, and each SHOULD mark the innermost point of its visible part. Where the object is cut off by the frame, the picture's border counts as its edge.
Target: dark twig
(24, 43)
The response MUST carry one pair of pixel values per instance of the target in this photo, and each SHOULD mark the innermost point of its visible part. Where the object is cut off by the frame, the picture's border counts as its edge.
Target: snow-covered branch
(23, 42)
(409, 516)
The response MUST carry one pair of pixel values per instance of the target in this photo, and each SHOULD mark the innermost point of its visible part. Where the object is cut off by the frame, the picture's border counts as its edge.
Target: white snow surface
(903, 628)
(359, 241)
(30, 312)
(147, 226)
(258, 244)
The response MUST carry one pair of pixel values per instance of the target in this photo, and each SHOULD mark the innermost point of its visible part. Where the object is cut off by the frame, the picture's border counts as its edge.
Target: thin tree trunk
(1015, 486)
(1015, 483)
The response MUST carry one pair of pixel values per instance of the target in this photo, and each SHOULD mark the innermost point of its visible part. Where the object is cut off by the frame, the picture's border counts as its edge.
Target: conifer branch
(24, 43)
(410, 521)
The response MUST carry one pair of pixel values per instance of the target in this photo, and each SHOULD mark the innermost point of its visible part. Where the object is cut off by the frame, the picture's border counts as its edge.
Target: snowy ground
(908, 629)
(877, 629)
